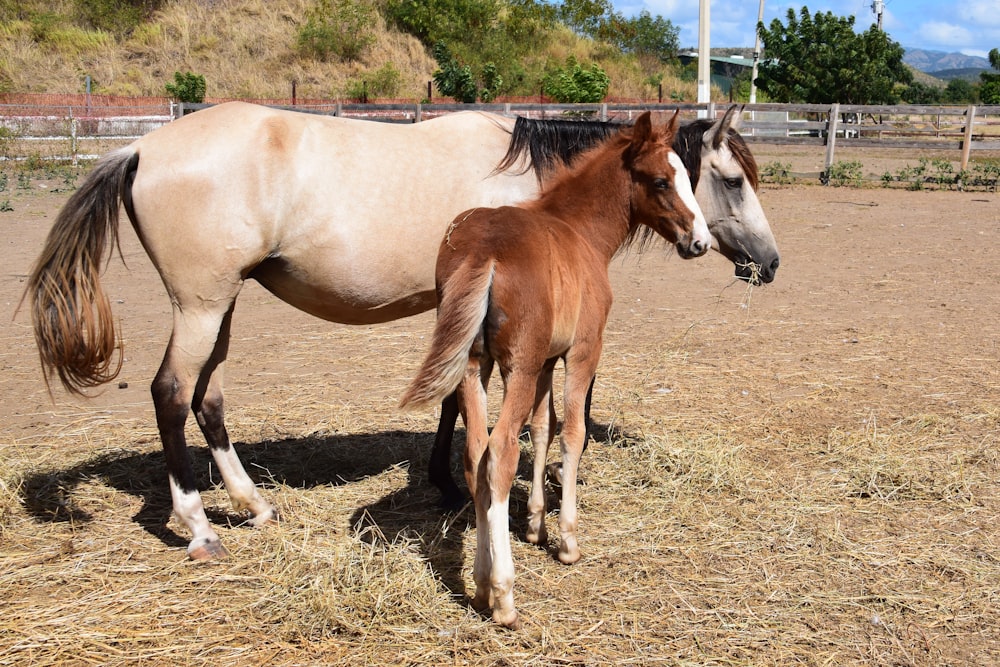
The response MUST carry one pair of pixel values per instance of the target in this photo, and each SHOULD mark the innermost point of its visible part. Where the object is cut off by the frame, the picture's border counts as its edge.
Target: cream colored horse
(340, 218)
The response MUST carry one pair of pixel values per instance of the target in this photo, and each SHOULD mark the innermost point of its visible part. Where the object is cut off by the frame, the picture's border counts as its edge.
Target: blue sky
(971, 27)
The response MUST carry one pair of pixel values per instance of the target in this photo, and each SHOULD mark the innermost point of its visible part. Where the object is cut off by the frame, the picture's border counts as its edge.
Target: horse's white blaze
(700, 234)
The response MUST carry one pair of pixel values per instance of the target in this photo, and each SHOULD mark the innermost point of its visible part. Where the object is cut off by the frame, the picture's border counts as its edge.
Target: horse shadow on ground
(307, 462)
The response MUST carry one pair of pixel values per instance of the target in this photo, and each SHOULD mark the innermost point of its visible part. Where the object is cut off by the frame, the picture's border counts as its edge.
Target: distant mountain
(968, 73)
(934, 62)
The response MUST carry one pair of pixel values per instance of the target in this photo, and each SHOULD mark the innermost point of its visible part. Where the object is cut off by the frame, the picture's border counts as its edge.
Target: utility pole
(877, 7)
(704, 57)
(756, 54)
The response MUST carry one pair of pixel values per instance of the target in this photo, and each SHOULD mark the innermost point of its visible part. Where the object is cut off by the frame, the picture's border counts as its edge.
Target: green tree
(989, 88)
(644, 35)
(455, 79)
(574, 84)
(187, 87)
(585, 17)
(959, 91)
(819, 59)
(505, 33)
(921, 93)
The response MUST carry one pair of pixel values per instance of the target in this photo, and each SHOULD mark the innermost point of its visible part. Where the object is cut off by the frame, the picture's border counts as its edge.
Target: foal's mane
(608, 141)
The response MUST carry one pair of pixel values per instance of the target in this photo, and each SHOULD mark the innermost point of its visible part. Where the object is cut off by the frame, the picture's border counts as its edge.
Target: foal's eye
(734, 183)
(661, 184)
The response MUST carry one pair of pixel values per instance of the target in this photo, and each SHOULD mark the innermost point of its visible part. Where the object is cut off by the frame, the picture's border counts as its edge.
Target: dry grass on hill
(247, 49)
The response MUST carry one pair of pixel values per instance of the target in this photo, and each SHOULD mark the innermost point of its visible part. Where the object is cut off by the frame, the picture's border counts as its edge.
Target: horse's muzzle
(756, 273)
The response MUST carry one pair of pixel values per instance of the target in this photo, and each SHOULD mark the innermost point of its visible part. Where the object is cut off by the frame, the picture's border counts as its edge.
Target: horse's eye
(734, 183)
(661, 184)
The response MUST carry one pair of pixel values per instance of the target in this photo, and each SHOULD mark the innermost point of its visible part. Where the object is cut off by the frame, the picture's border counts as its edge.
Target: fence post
(831, 141)
(72, 136)
(970, 117)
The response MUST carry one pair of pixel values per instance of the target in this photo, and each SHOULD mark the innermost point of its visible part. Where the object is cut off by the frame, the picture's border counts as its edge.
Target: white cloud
(944, 34)
(981, 13)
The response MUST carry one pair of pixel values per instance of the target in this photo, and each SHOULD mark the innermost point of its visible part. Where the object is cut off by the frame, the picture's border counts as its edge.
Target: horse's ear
(671, 128)
(730, 120)
(642, 129)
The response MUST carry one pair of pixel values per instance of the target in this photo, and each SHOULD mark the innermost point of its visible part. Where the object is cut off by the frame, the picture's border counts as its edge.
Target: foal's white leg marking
(205, 543)
(502, 578)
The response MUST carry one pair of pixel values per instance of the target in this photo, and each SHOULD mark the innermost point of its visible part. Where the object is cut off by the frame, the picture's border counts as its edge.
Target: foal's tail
(464, 301)
(71, 312)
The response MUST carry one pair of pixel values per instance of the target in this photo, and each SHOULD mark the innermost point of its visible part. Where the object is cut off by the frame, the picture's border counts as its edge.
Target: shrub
(777, 172)
(845, 173)
(574, 84)
(457, 81)
(342, 30)
(383, 82)
(188, 87)
(115, 16)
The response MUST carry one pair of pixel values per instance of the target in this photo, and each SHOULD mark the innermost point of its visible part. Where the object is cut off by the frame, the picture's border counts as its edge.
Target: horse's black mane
(547, 143)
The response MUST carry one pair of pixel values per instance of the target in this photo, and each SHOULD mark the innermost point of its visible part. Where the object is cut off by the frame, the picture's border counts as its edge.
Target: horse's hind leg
(186, 372)
(579, 381)
(208, 410)
(543, 430)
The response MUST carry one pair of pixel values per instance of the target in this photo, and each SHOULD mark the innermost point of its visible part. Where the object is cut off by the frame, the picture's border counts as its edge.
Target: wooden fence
(958, 130)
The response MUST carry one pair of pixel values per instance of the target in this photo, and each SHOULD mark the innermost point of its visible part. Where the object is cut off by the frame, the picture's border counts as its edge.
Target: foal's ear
(670, 130)
(642, 129)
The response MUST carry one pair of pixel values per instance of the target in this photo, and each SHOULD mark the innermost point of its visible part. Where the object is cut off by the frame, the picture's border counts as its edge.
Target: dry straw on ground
(807, 477)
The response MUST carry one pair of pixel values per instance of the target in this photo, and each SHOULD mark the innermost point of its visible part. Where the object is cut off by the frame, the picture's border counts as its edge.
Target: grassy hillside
(249, 49)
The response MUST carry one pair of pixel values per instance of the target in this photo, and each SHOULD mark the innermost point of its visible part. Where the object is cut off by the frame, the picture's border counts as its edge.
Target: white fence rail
(47, 134)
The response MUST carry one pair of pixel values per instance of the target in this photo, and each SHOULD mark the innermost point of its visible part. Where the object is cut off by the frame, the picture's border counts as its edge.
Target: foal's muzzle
(690, 246)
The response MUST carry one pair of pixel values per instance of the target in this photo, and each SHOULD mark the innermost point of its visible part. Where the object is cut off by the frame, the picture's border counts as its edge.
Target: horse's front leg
(543, 430)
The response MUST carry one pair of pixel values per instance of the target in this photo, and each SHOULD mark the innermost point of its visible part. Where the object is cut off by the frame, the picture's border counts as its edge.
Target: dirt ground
(884, 320)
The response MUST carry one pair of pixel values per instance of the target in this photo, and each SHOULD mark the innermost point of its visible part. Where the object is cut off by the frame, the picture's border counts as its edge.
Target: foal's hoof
(511, 621)
(554, 474)
(569, 552)
(209, 550)
(265, 518)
